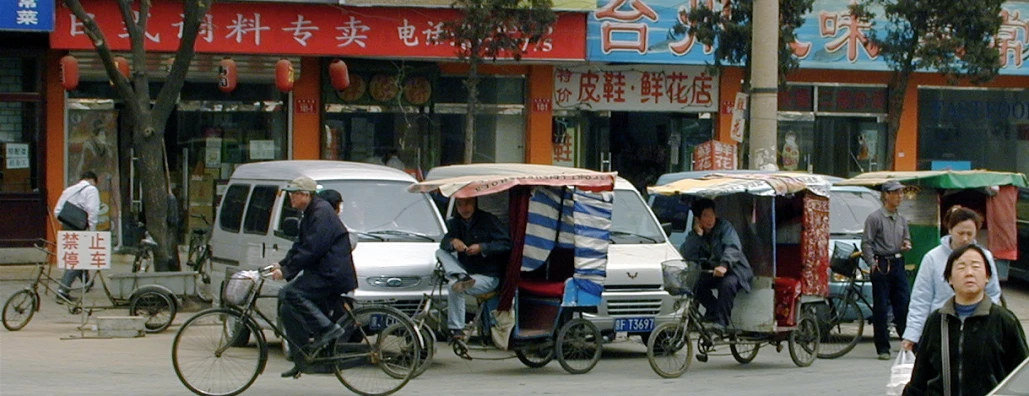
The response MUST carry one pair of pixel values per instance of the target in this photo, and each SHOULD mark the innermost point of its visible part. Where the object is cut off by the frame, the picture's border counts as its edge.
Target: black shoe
(457, 335)
(464, 282)
(294, 372)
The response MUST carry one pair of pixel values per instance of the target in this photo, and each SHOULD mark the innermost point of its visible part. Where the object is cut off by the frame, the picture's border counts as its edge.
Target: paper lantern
(227, 75)
(339, 75)
(69, 72)
(284, 75)
(122, 65)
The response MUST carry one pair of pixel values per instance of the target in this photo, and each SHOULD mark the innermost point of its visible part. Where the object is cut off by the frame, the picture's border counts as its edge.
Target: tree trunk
(154, 181)
(897, 90)
(472, 84)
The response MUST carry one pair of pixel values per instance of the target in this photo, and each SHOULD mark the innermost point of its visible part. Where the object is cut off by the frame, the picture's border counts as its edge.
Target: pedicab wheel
(19, 308)
(535, 357)
(428, 349)
(206, 358)
(669, 350)
(381, 354)
(156, 306)
(842, 329)
(578, 346)
(744, 352)
(804, 341)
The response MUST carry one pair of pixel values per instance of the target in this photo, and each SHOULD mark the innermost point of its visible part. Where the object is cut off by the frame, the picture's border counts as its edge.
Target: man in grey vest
(886, 237)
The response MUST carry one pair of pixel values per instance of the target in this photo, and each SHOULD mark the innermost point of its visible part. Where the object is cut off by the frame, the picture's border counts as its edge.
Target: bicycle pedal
(702, 358)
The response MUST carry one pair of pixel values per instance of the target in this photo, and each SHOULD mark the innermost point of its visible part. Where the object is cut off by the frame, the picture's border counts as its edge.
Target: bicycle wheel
(669, 350)
(381, 354)
(744, 352)
(578, 346)
(428, 348)
(19, 308)
(841, 330)
(535, 357)
(144, 261)
(156, 306)
(804, 341)
(206, 360)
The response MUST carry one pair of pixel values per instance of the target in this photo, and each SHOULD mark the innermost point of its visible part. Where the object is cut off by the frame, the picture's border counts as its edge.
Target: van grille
(649, 307)
(632, 287)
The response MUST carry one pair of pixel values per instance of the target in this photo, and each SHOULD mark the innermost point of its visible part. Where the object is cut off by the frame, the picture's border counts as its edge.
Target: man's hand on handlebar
(274, 270)
(719, 271)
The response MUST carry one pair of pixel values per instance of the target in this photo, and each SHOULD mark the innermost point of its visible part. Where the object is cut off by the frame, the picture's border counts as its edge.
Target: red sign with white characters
(304, 29)
(714, 155)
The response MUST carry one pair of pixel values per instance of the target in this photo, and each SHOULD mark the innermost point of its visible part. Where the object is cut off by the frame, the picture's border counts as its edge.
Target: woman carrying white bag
(970, 344)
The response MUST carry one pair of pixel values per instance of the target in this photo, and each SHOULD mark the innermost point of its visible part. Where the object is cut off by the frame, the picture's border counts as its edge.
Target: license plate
(381, 321)
(634, 325)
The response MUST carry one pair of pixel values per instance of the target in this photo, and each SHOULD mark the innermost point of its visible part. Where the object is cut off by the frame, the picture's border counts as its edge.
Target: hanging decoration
(227, 75)
(339, 75)
(284, 75)
(69, 72)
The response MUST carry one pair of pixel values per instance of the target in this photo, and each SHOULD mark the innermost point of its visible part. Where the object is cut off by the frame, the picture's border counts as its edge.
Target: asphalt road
(42, 360)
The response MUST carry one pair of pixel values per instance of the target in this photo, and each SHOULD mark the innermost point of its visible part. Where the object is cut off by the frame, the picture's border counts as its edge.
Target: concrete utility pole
(764, 80)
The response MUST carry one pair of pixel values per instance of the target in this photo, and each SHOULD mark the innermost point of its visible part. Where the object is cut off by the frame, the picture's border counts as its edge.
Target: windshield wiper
(369, 235)
(623, 233)
(402, 233)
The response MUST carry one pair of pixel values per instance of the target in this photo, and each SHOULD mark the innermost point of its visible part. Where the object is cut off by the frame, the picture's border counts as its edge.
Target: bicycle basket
(680, 276)
(239, 287)
(845, 258)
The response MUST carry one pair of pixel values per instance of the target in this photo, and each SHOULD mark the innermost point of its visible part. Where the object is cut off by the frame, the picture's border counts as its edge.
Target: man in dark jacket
(322, 252)
(715, 245)
(481, 244)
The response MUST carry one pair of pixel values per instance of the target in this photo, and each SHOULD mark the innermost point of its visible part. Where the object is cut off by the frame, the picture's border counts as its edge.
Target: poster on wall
(93, 146)
(565, 136)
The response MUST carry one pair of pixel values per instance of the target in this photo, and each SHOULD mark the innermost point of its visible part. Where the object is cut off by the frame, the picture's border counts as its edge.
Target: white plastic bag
(900, 373)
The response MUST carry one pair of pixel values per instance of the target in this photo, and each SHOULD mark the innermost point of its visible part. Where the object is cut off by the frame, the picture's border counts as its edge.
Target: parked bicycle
(198, 257)
(144, 259)
(212, 355)
(843, 324)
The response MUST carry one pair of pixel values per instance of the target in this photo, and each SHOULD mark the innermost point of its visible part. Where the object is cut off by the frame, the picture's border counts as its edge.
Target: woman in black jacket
(986, 341)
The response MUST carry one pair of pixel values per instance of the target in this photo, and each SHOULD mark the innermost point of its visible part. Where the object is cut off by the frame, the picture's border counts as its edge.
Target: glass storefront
(20, 107)
(837, 130)
(973, 129)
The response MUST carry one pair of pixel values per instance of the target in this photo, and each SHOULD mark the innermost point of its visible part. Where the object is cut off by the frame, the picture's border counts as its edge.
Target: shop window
(797, 98)
(973, 128)
(232, 207)
(492, 90)
(20, 110)
(259, 212)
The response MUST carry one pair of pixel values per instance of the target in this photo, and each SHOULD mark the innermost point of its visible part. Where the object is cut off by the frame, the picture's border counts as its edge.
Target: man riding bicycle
(322, 252)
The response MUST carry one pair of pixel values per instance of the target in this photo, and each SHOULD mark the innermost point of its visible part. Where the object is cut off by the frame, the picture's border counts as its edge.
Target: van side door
(226, 248)
(255, 238)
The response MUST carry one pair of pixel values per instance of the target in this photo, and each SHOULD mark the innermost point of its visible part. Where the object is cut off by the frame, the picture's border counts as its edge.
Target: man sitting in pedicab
(715, 245)
(481, 245)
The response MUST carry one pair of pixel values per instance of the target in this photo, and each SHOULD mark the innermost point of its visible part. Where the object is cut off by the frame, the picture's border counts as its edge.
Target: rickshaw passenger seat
(555, 289)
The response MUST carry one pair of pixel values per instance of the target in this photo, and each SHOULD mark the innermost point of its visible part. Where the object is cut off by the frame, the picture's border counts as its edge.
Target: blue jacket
(931, 290)
(321, 250)
(721, 246)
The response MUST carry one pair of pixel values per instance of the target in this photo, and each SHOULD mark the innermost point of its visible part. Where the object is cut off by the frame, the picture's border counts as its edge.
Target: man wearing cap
(886, 237)
(322, 252)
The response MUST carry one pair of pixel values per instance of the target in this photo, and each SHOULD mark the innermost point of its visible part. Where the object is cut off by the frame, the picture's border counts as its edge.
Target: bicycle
(144, 259)
(198, 257)
(212, 355)
(844, 322)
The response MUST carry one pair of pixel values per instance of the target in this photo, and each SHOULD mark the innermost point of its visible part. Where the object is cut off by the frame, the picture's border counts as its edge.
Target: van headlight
(394, 281)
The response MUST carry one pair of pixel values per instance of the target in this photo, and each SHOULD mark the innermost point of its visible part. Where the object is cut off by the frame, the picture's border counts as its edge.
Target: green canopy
(946, 179)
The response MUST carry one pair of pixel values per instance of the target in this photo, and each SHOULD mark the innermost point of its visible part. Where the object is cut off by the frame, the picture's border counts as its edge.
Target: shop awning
(946, 179)
(766, 184)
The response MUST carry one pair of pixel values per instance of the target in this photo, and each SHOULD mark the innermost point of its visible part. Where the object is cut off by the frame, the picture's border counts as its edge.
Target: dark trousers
(718, 309)
(69, 278)
(300, 312)
(889, 289)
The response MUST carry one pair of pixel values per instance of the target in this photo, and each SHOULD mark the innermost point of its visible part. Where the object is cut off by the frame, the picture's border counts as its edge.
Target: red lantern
(227, 75)
(69, 72)
(284, 75)
(339, 75)
(122, 65)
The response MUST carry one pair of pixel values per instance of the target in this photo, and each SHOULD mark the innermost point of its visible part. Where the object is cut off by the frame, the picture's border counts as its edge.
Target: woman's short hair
(700, 205)
(958, 214)
(961, 251)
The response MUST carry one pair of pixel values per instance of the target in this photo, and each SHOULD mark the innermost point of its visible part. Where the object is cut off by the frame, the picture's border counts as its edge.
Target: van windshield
(381, 210)
(631, 222)
(849, 209)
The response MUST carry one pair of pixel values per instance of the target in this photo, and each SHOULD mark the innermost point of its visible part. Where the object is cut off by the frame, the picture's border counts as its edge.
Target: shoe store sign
(688, 89)
(84, 250)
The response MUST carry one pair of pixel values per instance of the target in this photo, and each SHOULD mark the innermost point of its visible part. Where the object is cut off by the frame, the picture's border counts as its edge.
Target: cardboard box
(201, 190)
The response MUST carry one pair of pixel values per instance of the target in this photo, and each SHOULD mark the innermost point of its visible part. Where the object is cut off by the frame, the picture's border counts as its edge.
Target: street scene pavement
(48, 357)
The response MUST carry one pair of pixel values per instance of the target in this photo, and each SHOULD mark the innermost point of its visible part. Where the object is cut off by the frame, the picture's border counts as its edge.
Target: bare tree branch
(121, 84)
(125, 6)
(193, 15)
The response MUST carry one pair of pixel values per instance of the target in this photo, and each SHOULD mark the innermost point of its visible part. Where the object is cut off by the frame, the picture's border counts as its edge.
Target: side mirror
(289, 229)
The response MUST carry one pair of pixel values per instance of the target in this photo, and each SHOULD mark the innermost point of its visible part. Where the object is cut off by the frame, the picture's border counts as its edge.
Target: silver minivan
(398, 231)
(633, 299)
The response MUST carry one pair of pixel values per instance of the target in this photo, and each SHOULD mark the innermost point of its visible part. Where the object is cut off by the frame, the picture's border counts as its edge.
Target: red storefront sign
(714, 155)
(304, 29)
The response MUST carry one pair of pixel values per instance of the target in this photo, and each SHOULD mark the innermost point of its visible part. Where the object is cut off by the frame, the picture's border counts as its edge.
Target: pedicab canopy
(761, 184)
(945, 179)
(476, 185)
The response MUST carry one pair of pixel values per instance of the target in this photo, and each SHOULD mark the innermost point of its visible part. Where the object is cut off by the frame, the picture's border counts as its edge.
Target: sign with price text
(84, 250)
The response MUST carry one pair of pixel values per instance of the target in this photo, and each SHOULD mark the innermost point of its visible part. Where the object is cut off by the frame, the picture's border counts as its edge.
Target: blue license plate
(634, 325)
(380, 321)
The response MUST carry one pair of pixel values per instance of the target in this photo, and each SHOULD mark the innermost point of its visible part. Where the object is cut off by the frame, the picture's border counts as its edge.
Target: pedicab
(928, 196)
(783, 223)
(559, 226)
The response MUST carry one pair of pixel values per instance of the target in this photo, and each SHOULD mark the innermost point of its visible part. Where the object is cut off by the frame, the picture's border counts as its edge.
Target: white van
(633, 300)
(398, 231)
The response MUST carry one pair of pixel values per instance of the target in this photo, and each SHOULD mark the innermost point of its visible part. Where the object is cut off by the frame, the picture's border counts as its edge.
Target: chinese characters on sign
(84, 250)
(714, 155)
(739, 117)
(636, 88)
(305, 29)
(17, 155)
(27, 15)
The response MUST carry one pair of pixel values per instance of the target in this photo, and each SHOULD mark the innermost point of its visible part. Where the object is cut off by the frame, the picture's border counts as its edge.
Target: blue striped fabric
(585, 226)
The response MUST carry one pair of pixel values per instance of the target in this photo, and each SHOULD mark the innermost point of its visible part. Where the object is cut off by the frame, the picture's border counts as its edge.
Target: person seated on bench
(481, 244)
(715, 245)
